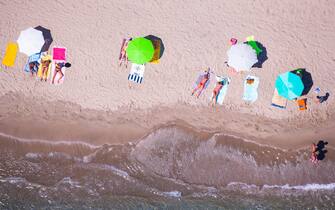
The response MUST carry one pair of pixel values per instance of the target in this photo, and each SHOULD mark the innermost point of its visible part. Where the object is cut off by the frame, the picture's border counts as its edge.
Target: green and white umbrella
(241, 57)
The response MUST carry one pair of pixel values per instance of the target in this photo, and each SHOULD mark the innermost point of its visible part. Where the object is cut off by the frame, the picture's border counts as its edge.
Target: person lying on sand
(202, 83)
(216, 91)
(45, 69)
(58, 70)
(123, 54)
(33, 67)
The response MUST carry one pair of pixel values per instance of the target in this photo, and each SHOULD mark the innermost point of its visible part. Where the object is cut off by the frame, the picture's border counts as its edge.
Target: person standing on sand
(200, 87)
(314, 157)
(321, 99)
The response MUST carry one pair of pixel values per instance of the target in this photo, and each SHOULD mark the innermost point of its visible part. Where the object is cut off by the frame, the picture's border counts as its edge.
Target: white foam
(307, 187)
(175, 194)
(57, 142)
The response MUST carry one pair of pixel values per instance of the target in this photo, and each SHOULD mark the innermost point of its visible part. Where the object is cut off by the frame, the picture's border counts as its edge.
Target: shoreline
(63, 121)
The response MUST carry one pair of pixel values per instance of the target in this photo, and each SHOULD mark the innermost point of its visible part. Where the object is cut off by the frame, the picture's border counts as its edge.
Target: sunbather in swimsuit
(33, 67)
(201, 84)
(45, 69)
(58, 70)
(123, 56)
(216, 91)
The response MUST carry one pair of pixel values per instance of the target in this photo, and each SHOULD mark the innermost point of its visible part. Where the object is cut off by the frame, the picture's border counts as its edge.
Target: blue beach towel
(33, 58)
(250, 93)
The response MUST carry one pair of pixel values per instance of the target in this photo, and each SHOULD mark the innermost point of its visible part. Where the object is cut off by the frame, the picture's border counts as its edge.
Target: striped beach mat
(136, 73)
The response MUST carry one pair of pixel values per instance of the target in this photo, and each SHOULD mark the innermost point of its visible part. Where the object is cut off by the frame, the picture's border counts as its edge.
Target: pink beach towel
(58, 53)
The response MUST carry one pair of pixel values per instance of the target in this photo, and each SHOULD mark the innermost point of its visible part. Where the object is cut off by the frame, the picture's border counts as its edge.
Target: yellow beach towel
(46, 74)
(10, 54)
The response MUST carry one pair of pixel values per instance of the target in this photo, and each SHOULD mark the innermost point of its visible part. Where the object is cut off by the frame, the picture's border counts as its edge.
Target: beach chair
(58, 56)
(250, 93)
(10, 54)
(33, 58)
(302, 104)
(278, 101)
(136, 73)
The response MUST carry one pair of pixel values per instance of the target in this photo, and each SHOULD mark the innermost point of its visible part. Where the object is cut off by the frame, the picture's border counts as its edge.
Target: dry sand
(96, 105)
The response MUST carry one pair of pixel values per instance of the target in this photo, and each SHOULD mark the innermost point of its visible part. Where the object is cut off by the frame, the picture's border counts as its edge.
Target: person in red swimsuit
(216, 91)
(202, 83)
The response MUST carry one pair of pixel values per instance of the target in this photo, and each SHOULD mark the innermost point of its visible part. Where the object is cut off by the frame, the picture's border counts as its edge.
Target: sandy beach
(96, 105)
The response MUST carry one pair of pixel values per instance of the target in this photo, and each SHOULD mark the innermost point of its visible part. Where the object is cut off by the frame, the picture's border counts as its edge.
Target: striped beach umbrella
(140, 50)
(289, 85)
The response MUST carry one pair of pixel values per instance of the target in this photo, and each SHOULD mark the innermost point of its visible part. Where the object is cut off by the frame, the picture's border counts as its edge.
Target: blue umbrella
(289, 85)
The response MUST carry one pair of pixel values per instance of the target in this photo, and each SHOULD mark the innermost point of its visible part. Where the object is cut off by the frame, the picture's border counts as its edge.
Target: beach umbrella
(306, 79)
(241, 57)
(289, 85)
(158, 47)
(140, 50)
(47, 38)
(30, 41)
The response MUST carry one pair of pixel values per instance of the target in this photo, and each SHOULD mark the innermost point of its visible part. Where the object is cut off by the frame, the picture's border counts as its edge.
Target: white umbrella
(30, 41)
(241, 57)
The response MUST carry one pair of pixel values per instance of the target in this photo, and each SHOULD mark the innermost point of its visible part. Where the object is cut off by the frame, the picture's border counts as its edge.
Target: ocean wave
(306, 187)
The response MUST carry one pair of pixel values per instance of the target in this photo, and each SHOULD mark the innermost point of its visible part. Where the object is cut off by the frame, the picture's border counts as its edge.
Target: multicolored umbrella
(289, 85)
(241, 57)
(140, 50)
(30, 41)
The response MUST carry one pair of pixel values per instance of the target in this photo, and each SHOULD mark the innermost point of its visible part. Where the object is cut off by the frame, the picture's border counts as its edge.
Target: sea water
(168, 169)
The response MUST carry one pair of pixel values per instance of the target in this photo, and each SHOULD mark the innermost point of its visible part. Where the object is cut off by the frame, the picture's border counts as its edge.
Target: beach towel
(136, 73)
(59, 53)
(46, 75)
(10, 54)
(59, 57)
(199, 79)
(250, 93)
(302, 104)
(33, 58)
(223, 92)
(278, 101)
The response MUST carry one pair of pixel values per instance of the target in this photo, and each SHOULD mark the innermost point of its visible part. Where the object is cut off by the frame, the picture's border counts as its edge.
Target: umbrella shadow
(47, 38)
(158, 45)
(306, 79)
(261, 57)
